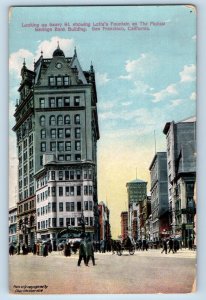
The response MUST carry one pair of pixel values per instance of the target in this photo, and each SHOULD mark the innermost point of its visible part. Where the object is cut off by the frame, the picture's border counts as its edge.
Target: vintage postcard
(102, 174)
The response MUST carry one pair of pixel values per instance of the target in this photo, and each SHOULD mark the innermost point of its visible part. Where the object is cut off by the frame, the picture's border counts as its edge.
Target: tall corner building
(159, 195)
(57, 132)
(181, 166)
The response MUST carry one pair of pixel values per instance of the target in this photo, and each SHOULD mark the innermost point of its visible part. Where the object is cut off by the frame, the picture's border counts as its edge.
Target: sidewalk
(182, 253)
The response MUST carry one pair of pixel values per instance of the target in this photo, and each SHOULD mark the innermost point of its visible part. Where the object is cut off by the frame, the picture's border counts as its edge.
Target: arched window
(59, 120)
(42, 120)
(77, 119)
(52, 120)
(67, 119)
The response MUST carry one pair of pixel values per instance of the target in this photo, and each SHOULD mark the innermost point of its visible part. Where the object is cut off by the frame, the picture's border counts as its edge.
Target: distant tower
(137, 191)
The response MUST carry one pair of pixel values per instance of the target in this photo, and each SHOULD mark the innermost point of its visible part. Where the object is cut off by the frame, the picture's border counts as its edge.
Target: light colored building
(57, 132)
(181, 164)
(13, 225)
(159, 196)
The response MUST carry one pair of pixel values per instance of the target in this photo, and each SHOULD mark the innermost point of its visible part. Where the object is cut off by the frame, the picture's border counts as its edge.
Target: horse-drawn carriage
(127, 244)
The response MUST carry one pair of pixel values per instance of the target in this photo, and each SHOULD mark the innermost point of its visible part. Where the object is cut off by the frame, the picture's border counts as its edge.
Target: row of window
(67, 157)
(70, 190)
(25, 168)
(25, 181)
(25, 143)
(24, 130)
(60, 133)
(42, 196)
(12, 219)
(26, 193)
(63, 222)
(70, 174)
(60, 146)
(59, 102)
(59, 80)
(27, 221)
(12, 230)
(64, 175)
(65, 206)
(60, 120)
(26, 206)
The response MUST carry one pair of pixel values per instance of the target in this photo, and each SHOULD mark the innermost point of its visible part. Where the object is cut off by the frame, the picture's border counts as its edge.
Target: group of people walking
(171, 244)
(142, 245)
(86, 252)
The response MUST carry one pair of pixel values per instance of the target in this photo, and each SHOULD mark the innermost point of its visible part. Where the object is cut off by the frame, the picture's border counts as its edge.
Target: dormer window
(59, 81)
(52, 81)
(66, 80)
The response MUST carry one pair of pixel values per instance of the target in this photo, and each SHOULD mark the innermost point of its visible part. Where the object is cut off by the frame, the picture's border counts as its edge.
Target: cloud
(127, 103)
(16, 60)
(140, 87)
(188, 74)
(176, 102)
(47, 46)
(193, 96)
(102, 79)
(139, 68)
(170, 90)
(106, 105)
(137, 116)
(133, 123)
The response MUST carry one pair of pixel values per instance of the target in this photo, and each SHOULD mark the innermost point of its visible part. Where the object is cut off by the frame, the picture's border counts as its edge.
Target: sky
(144, 79)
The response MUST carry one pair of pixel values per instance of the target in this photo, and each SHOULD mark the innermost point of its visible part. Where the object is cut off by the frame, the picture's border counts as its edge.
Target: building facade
(144, 214)
(137, 191)
(104, 222)
(13, 225)
(57, 132)
(181, 162)
(124, 224)
(159, 196)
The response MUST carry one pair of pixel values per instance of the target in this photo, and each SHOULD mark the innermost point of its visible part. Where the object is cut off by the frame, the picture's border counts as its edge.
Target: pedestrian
(18, 248)
(164, 246)
(34, 249)
(50, 247)
(45, 250)
(140, 244)
(171, 245)
(23, 249)
(114, 246)
(176, 245)
(90, 251)
(102, 246)
(37, 248)
(82, 252)
(190, 244)
(67, 249)
(11, 249)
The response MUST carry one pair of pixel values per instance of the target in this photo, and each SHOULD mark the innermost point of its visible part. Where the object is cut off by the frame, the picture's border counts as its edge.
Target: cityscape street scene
(102, 155)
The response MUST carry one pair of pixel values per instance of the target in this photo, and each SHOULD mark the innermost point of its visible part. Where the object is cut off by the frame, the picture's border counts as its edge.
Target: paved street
(144, 272)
